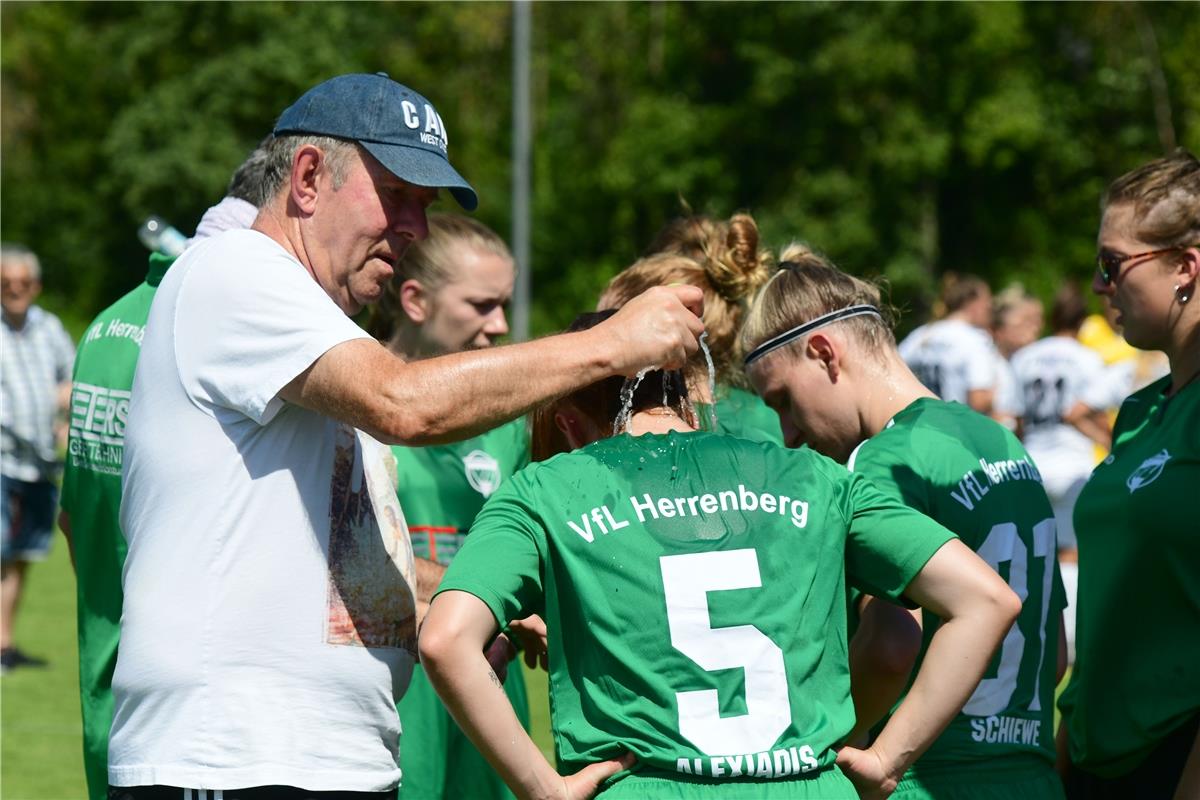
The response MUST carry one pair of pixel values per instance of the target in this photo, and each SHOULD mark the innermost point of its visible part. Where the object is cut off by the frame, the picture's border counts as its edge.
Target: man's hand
(584, 784)
(866, 771)
(531, 632)
(659, 328)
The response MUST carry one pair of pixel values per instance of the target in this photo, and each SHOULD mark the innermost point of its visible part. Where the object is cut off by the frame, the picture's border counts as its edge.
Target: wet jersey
(441, 488)
(693, 586)
(1138, 636)
(951, 357)
(971, 475)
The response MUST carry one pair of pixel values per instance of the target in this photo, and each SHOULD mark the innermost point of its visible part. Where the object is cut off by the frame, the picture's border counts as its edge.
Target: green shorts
(990, 784)
(437, 760)
(828, 785)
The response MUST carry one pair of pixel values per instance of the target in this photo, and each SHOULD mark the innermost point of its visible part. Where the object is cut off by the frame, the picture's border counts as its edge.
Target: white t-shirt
(268, 624)
(951, 358)
(1055, 373)
(1008, 402)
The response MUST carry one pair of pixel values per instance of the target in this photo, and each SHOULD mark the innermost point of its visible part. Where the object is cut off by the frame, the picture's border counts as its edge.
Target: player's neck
(890, 388)
(657, 420)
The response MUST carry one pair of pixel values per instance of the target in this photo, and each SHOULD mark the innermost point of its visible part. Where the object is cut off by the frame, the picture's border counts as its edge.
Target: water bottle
(160, 236)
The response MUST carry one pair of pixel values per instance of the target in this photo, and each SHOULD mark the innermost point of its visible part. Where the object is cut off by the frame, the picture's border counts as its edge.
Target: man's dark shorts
(28, 518)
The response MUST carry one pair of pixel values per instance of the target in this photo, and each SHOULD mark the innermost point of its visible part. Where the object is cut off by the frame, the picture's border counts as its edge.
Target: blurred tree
(901, 139)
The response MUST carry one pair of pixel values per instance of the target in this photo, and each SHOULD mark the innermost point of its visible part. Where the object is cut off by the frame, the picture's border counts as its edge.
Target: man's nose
(497, 323)
(411, 222)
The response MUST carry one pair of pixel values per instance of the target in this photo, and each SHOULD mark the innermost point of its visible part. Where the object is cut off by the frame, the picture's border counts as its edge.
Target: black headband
(787, 337)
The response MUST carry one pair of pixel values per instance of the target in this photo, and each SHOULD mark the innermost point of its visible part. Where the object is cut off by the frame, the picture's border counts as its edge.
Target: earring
(1183, 296)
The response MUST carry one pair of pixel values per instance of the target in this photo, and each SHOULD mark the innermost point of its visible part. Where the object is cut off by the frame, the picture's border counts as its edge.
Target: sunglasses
(1109, 262)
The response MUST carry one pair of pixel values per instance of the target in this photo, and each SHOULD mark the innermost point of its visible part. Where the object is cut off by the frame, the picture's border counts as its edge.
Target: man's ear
(1188, 270)
(307, 164)
(824, 349)
(414, 300)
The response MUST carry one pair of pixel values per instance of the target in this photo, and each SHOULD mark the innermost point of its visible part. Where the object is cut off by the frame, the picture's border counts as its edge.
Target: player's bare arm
(978, 608)
(458, 626)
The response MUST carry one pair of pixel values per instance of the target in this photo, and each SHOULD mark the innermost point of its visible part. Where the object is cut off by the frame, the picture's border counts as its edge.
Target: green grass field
(40, 742)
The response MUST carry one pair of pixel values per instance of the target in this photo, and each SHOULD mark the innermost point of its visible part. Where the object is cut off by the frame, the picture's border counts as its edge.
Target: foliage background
(901, 139)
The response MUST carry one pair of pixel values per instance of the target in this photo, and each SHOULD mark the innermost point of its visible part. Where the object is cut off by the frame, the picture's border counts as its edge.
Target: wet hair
(1165, 195)
(1069, 309)
(431, 262)
(808, 286)
(280, 150)
(958, 289)
(722, 258)
(602, 401)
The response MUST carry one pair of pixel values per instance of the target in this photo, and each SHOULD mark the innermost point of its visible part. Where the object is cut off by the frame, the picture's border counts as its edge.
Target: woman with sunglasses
(1132, 708)
(820, 350)
(693, 586)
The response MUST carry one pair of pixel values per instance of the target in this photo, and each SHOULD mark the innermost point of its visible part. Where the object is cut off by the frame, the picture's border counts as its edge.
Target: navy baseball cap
(392, 122)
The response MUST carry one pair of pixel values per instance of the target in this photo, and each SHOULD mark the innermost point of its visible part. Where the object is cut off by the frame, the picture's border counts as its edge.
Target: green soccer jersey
(441, 490)
(972, 475)
(443, 487)
(91, 494)
(693, 586)
(742, 414)
(1135, 678)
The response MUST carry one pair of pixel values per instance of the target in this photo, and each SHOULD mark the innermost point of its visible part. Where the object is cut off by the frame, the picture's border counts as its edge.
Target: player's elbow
(1001, 605)
(435, 645)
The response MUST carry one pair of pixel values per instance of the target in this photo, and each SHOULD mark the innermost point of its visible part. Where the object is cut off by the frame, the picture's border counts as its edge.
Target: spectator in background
(1016, 322)
(1131, 712)
(449, 295)
(35, 384)
(953, 355)
(1065, 395)
(91, 491)
(725, 259)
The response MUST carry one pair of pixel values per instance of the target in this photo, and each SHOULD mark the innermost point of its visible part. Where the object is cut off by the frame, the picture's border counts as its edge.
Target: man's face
(18, 287)
(467, 312)
(361, 229)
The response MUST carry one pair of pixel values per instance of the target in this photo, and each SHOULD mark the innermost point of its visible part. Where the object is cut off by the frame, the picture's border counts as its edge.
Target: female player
(449, 295)
(693, 586)
(725, 260)
(820, 352)
(1132, 708)
(954, 356)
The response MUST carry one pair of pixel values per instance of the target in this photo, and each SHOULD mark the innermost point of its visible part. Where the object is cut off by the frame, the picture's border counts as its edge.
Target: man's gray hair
(279, 151)
(249, 181)
(19, 254)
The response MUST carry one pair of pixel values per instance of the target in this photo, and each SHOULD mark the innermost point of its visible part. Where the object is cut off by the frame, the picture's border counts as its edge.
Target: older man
(34, 383)
(270, 591)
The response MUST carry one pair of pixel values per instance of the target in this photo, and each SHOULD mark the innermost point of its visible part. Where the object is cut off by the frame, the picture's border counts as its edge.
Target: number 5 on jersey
(687, 580)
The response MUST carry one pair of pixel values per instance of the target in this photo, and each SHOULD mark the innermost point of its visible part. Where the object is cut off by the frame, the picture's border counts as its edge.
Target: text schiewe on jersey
(602, 519)
(971, 489)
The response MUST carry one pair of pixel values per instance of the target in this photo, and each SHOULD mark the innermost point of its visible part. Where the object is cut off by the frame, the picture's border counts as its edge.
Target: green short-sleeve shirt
(742, 414)
(1137, 642)
(972, 475)
(91, 494)
(694, 590)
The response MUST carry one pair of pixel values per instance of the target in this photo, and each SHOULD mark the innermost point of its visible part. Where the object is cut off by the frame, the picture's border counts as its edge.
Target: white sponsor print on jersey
(483, 472)
(1148, 472)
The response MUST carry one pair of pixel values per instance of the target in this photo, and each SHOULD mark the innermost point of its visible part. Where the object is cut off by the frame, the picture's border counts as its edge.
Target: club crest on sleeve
(1148, 472)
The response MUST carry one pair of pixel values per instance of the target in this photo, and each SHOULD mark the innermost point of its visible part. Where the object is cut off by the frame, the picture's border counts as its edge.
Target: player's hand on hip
(531, 633)
(659, 328)
(585, 783)
(867, 772)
